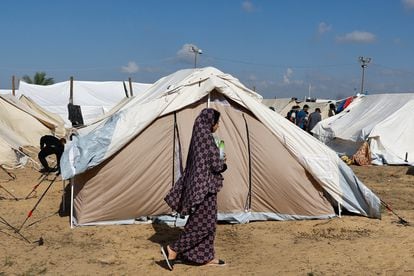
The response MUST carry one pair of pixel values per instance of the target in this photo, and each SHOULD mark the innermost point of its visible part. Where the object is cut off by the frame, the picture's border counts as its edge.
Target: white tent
(149, 121)
(95, 98)
(5, 91)
(384, 120)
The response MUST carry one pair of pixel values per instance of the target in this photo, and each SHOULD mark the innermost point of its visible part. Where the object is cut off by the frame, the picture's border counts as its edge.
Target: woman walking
(195, 194)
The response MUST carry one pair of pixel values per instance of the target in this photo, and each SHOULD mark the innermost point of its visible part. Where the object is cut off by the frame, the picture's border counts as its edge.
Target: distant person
(195, 194)
(291, 115)
(314, 118)
(302, 117)
(51, 145)
(332, 110)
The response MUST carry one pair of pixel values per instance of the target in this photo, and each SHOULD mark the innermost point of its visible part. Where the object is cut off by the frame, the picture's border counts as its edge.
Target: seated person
(51, 145)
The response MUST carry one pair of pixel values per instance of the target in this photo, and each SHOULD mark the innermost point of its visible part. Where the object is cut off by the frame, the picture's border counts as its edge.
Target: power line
(404, 71)
(280, 65)
(174, 58)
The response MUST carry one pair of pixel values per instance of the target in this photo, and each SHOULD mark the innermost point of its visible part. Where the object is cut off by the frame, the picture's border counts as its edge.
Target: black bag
(75, 115)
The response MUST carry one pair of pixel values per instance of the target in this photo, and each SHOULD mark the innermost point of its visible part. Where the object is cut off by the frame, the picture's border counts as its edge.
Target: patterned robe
(195, 193)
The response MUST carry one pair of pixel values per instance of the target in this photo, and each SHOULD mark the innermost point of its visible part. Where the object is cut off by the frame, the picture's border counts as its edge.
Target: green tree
(39, 79)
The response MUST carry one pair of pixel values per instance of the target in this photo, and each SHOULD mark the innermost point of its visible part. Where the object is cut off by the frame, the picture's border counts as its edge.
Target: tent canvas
(10, 143)
(24, 121)
(56, 119)
(279, 104)
(6, 91)
(95, 98)
(88, 127)
(124, 167)
(384, 120)
(21, 127)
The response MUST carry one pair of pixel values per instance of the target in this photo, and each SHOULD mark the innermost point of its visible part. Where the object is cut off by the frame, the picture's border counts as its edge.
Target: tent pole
(248, 205)
(131, 93)
(125, 90)
(71, 91)
(173, 155)
(13, 86)
(71, 203)
(63, 197)
(339, 209)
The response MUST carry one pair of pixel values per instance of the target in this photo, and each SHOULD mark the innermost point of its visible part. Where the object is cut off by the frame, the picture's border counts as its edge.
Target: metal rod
(131, 93)
(37, 203)
(13, 86)
(7, 191)
(71, 203)
(71, 91)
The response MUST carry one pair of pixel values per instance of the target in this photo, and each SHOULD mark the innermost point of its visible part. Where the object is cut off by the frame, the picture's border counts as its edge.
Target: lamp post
(196, 52)
(364, 63)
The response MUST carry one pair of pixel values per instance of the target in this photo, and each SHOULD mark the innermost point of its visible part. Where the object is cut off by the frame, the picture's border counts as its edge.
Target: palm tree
(39, 79)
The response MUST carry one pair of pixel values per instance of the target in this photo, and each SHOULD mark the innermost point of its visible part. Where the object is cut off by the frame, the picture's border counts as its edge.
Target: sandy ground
(349, 245)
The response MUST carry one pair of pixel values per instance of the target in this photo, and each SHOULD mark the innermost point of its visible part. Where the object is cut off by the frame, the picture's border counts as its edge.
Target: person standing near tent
(302, 117)
(314, 118)
(332, 110)
(195, 194)
(291, 115)
(51, 145)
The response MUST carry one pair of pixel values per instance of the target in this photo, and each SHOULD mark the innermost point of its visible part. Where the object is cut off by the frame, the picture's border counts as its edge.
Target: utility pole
(364, 63)
(196, 52)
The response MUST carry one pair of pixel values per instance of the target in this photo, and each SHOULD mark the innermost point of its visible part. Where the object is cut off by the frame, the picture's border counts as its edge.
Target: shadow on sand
(164, 234)
(64, 207)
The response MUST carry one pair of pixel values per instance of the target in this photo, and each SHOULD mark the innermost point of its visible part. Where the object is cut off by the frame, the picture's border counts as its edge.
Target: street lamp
(364, 63)
(196, 52)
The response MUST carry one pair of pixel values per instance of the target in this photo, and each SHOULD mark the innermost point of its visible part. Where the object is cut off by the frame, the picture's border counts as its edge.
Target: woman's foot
(171, 253)
(169, 256)
(216, 262)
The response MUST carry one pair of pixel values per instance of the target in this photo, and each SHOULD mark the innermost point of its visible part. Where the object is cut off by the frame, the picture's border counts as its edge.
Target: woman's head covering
(207, 118)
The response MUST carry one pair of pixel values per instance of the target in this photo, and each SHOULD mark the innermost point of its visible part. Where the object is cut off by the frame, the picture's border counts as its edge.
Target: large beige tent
(21, 126)
(124, 167)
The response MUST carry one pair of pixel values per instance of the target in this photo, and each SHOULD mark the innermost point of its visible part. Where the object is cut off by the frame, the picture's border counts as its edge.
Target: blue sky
(281, 48)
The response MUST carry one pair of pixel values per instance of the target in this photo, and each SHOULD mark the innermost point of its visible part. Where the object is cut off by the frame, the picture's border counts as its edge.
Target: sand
(350, 245)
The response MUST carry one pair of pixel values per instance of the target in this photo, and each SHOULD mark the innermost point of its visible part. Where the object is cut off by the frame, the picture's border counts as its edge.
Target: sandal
(217, 262)
(170, 262)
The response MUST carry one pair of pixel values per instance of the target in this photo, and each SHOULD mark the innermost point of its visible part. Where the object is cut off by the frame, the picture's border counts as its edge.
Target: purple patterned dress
(195, 193)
